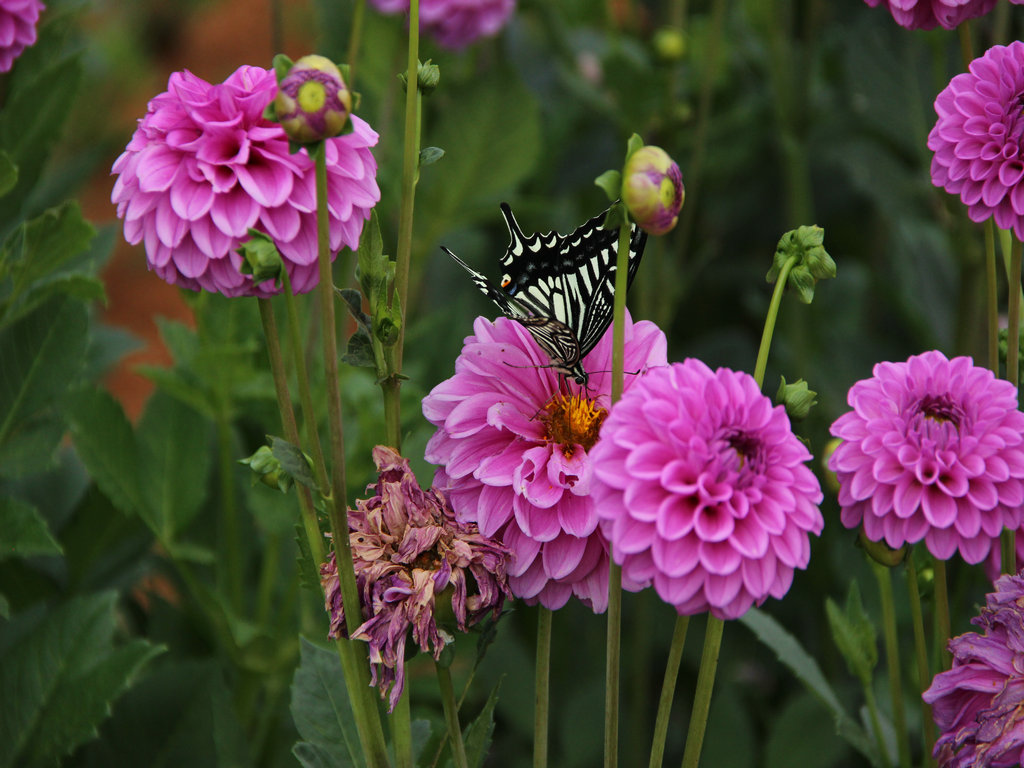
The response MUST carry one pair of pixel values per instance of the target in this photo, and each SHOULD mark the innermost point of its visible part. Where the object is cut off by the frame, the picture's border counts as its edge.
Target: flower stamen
(572, 420)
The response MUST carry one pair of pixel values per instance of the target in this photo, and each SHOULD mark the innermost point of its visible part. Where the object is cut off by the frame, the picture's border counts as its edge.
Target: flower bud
(652, 189)
(312, 101)
(797, 398)
(805, 245)
(267, 469)
(261, 258)
(881, 552)
(669, 44)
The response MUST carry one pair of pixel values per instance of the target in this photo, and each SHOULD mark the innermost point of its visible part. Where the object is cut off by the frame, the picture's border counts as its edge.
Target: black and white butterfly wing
(561, 287)
(556, 339)
(568, 278)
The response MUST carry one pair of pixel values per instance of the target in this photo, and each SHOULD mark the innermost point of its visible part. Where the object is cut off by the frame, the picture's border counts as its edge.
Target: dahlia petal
(562, 555)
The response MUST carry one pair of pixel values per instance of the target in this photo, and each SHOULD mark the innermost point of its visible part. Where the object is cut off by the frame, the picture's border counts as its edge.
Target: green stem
(876, 724)
(613, 648)
(770, 320)
(924, 677)
(966, 46)
(668, 688)
(942, 626)
(354, 40)
(892, 653)
(268, 577)
(702, 695)
(541, 687)
(1009, 535)
(353, 662)
(991, 298)
(451, 714)
(619, 311)
(231, 530)
(401, 730)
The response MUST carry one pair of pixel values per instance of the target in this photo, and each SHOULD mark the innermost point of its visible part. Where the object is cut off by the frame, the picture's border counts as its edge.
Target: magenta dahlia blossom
(933, 449)
(928, 14)
(701, 487)
(513, 446)
(978, 139)
(978, 705)
(18, 19)
(204, 166)
(455, 23)
(409, 551)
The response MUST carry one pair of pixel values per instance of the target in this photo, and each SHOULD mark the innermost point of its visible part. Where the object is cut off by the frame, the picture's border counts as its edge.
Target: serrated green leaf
(800, 735)
(807, 671)
(42, 354)
(174, 444)
(480, 732)
(107, 447)
(34, 447)
(371, 263)
(854, 635)
(23, 531)
(321, 710)
(58, 681)
(309, 571)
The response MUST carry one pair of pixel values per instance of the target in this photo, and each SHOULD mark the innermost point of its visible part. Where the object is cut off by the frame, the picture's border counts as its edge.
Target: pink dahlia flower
(204, 166)
(18, 19)
(978, 705)
(978, 139)
(701, 488)
(455, 23)
(513, 445)
(933, 449)
(409, 550)
(927, 14)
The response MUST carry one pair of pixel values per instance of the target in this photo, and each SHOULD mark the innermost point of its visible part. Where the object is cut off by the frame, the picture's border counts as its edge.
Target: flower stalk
(541, 688)
(921, 652)
(668, 687)
(892, 656)
(702, 695)
(451, 714)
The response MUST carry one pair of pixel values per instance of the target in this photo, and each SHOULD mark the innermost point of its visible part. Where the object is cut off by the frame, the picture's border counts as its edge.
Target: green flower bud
(267, 469)
(669, 44)
(831, 480)
(652, 189)
(812, 260)
(260, 258)
(881, 553)
(313, 102)
(797, 398)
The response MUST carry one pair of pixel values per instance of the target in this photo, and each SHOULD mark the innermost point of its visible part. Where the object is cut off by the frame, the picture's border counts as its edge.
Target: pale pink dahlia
(701, 488)
(933, 449)
(204, 166)
(409, 551)
(978, 705)
(927, 14)
(513, 445)
(455, 23)
(18, 19)
(978, 139)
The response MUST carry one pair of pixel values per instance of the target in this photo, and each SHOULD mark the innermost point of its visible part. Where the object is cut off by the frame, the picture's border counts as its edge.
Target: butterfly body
(560, 287)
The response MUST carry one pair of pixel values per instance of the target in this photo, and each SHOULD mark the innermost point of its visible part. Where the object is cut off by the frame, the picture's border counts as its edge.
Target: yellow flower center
(573, 420)
(311, 96)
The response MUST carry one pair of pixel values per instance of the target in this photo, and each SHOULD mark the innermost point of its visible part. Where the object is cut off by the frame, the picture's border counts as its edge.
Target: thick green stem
(1009, 536)
(541, 686)
(966, 46)
(991, 298)
(668, 689)
(401, 730)
(942, 625)
(924, 678)
(451, 716)
(354, 39)
(353, 662)
(770, 320)
(892, 653)
(876, 725)
(702, 695)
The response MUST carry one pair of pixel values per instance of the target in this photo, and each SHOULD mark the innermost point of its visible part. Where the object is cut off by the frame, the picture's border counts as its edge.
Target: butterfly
(561, 287)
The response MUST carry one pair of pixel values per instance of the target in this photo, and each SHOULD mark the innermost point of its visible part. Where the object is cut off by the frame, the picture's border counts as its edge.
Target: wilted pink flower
(933, 449)
(408, 550)
(18, 20)
(927, 14)
(979, 136)
(455, 23)
(204, 166)
(978, 705)
(513, 446)
(701, 488)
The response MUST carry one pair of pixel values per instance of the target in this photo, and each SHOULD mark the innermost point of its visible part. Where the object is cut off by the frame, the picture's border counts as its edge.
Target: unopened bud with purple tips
(313, 103)
(652, 189)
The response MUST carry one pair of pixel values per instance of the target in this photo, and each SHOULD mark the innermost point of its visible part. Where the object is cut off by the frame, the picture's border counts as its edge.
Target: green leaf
(321, 711)
(294, 462)
(42, 354)
(174, 444)
(58, 680)
(354, 301)
(480, 732)
(35, 257)
(372, 266)
(806, 669)
(107, 447)
(360, 350)
(31, 121)
(611, 183)
(8, 173)
(430, 155)
(800, 735)
(23, 531)
(854, 635)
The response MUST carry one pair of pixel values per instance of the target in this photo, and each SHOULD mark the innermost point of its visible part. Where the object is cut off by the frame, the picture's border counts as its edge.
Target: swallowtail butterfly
(561, 287)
